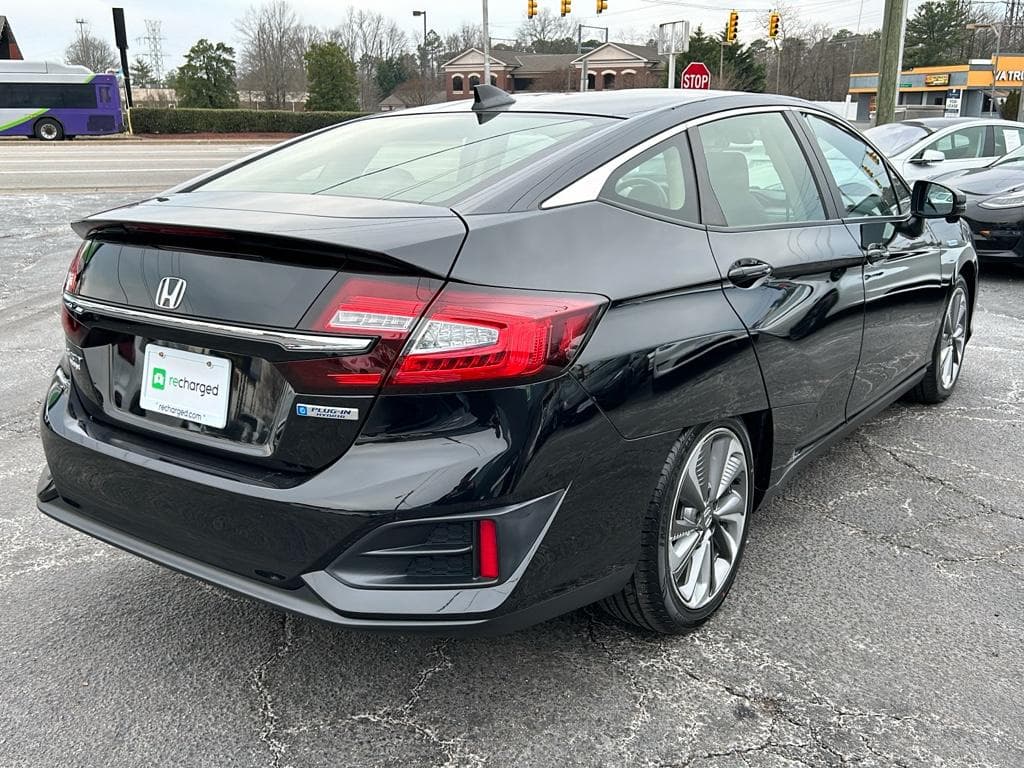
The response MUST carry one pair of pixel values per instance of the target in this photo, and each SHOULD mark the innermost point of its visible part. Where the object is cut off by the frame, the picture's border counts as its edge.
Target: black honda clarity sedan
(467, 367)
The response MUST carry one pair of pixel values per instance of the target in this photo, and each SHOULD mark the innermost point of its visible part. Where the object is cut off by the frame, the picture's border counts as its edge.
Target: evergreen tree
(937, 34)
(141, 73)
(391, 73)
(740, 70)
(333, 86)
(207, 78)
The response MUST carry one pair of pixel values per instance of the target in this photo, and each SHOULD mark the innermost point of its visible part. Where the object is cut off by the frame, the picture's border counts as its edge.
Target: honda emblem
(170, 292)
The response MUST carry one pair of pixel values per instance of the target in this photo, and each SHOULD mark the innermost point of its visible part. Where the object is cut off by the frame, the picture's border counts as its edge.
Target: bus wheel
(49, 129)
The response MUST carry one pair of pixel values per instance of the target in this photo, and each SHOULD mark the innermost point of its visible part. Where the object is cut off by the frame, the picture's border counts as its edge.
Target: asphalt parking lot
(877, 620)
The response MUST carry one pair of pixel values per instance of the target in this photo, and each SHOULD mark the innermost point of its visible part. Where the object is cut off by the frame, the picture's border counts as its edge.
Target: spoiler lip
(328, 229)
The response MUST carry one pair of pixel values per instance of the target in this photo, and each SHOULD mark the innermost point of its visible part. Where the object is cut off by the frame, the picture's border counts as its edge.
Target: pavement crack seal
(403, 717)
(800, 727)
(268, 715)
(641, 692)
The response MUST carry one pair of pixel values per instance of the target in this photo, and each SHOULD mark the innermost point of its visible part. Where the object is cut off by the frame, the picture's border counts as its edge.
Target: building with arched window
(609, 66)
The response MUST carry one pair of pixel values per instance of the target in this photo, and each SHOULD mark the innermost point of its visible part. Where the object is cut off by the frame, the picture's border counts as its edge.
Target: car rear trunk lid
(250, 281)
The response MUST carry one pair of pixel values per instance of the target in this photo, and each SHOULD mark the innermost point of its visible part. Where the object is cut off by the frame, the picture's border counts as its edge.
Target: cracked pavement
(876, 620)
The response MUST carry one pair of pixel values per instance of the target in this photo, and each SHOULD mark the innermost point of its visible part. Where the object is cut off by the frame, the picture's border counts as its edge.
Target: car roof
(622, 104)
(938, 123)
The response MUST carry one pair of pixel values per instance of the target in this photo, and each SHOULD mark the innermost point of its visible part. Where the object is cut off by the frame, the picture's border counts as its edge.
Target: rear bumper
(577, 495)
(305, 601)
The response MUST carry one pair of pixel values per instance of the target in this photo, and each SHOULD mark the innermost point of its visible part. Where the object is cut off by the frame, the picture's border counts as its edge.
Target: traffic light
(773, 24)
(566, 7)
(602, 5)
(531, 8)
(731, 28)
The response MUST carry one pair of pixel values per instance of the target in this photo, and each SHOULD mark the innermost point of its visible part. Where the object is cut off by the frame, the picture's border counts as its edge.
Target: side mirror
(930, 156)
(931, 200)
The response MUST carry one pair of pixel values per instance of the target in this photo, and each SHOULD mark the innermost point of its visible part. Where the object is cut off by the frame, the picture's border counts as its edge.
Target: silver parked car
(925, 148)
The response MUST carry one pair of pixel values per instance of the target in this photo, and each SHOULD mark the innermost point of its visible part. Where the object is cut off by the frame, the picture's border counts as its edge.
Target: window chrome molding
(588, 188)
(292, 342)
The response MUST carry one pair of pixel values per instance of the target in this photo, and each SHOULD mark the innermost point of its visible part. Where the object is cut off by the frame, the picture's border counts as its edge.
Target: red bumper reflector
(487, 536)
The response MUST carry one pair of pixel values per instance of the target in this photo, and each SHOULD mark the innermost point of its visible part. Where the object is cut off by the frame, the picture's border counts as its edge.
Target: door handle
(747, 272)
(876, 253)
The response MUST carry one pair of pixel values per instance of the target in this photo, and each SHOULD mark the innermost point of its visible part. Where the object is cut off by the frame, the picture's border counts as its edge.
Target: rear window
(893, 138)
(433, 158)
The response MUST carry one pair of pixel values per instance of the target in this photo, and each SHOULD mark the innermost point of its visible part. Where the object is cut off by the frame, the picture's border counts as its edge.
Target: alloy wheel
(709, 513)
(954, 338)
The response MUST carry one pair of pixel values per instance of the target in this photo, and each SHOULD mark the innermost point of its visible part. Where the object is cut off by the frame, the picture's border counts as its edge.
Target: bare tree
(90, 51)
(369, 37)
(547, 33)
(465, 37)
(273, 45)
(364, 32)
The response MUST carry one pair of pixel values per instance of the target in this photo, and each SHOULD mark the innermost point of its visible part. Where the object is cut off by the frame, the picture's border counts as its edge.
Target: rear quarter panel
(669, 352)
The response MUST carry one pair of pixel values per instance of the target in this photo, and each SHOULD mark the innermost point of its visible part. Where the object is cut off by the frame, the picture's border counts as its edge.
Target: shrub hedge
(155, 120)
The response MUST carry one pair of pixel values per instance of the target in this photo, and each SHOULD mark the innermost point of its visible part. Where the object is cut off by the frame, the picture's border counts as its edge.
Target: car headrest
(729, 169)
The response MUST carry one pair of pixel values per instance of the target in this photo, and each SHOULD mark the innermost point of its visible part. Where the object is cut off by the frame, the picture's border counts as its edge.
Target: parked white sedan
(922, 149)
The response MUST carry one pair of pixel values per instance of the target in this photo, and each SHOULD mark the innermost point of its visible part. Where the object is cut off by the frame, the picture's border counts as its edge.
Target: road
(876, 620)
(130, 166)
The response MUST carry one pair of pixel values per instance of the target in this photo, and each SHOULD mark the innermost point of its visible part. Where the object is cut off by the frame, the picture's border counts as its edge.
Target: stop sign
(696, 75)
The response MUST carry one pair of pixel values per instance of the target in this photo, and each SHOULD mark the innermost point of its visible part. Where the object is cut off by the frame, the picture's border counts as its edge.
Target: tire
(656, 599)
(943, 373)
(49, 129)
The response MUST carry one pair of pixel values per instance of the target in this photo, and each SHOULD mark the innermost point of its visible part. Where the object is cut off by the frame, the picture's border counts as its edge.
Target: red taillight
(492, 334)
(487, 549)
(460, 335)
(385, 309)
(74, 277)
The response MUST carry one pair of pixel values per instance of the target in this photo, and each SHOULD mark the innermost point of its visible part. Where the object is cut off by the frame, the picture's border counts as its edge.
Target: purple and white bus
(56, 101)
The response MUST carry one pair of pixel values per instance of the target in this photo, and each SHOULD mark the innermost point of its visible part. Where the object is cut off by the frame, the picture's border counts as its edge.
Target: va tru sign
(1013, 75)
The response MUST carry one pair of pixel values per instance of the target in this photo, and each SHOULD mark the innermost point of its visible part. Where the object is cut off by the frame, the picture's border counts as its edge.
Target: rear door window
(757, 171)
(1007, 139)
(659, 181)
(963, 144)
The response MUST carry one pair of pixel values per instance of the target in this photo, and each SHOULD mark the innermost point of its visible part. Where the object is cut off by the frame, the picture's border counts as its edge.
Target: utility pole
(890, 60)
(487, 48)
(997, 30)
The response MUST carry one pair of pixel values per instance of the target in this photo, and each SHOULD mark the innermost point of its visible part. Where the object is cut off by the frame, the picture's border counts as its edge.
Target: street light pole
(423, 58)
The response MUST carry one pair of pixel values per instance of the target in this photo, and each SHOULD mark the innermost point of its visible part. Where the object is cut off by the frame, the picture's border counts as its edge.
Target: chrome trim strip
(588, 188)
(293, 342)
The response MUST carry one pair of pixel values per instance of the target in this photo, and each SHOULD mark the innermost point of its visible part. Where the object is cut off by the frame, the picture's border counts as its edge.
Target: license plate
(185, 385)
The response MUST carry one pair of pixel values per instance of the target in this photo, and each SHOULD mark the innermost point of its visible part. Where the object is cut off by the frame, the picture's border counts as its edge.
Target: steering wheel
(626, 187)
(865, 198)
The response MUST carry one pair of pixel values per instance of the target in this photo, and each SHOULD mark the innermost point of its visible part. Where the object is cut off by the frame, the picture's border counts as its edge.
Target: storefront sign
(942, 79)
(1013, 75)
(953, 103)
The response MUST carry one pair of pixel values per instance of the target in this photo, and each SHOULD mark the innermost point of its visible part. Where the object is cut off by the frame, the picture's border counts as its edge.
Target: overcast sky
(43, 29)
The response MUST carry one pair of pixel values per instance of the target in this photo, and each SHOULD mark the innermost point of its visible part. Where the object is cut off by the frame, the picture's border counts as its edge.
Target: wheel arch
(760, 429)
(969, 271)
